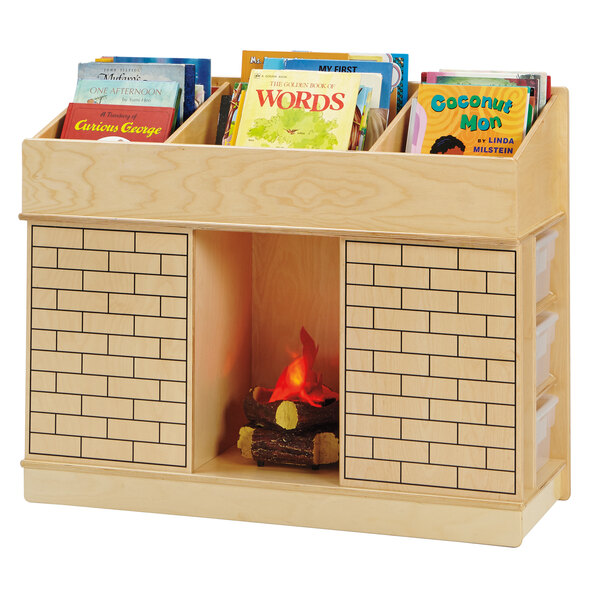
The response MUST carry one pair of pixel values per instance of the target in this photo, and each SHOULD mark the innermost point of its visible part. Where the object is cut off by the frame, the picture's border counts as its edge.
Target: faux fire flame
(299, 381)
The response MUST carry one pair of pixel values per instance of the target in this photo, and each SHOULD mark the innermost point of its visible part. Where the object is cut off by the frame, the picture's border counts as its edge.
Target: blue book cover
(350, 66)
(201, 66)
(182, 74)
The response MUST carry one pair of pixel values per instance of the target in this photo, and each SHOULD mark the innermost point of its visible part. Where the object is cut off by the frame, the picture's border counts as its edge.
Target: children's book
(223, 116)
(182, 74)
(465, 119)
(399, 77)
(298, 109)
(361, 116)
(140, 93)
(254, 59)
(543, 87)
(380, 97)
(113, 122)
(381, 88)
(532, 84)
(235, 112)
(202, 67)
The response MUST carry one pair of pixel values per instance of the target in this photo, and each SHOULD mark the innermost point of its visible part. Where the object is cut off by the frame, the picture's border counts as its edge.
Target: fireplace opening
(254, 293)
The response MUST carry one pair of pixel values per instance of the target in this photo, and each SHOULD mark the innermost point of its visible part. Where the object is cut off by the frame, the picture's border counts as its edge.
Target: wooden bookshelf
(167, 279)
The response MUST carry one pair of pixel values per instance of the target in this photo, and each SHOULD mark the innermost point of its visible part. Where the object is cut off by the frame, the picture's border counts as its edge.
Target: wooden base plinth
(230, 487)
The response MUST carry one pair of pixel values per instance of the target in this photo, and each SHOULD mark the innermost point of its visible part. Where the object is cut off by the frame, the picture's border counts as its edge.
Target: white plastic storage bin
(544, 253)
(545, 414)
(544, 336)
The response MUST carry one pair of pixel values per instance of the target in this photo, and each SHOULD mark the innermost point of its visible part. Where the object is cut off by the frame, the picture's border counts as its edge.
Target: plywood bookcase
(166, 279)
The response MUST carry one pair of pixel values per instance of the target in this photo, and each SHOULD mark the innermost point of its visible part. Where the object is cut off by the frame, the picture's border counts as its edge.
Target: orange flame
(299, 381)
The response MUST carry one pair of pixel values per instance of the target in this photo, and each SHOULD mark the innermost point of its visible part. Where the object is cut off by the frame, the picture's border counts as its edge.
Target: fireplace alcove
(252, 294)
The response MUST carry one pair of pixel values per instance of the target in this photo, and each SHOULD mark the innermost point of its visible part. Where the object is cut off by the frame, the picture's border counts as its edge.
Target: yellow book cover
(468, 119)
(254, 59)
(298, 109)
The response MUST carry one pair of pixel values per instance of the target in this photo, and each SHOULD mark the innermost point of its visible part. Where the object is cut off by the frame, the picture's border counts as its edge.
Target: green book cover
(131, 93)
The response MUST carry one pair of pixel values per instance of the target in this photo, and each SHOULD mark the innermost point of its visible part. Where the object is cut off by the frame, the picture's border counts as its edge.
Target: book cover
(478, 120)
(399, 63)
(380, 97)
(223, 116)
(139, 93)
(254, 59)
(480, 79)
(541, 77)
(112, 122)
(235, 111)
(361, 115)
(299, 109)
(202, 71)
(182, 74)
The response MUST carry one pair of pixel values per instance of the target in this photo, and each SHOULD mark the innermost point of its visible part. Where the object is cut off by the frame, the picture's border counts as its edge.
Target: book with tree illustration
(298, 109)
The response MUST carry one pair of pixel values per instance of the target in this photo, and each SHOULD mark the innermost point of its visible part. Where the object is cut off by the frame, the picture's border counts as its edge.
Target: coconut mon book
(468, 119)
(298, 109)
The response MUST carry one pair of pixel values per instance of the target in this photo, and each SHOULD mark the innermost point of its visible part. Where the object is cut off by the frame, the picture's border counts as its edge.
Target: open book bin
(167, 279)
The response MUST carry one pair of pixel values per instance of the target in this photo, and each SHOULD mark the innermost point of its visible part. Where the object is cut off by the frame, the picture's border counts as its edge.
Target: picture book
(464, 119)
(399, 77)
(298, 109)
(381, 96)
(254, 59)
(182, 74)
(451, 79)
(223, 115)
(361, 116)
(235, 111)
(112, 122)
(139, 93)
(543, 88)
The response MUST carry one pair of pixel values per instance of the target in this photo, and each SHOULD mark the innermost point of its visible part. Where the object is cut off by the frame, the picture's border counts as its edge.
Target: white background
(67, 552)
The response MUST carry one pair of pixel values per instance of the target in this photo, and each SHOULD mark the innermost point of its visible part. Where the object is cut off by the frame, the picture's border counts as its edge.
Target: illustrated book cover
(223, 117)
(202, 70)
(138, 93)
(116, 123)
(182, 74)
(376, 75)
(477, 120)
(298, 109)
(254, 59)
(235, 111)
(399, 77)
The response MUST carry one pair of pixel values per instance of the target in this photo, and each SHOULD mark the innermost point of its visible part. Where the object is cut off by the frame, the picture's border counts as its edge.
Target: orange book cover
(468, 119)
(254, 59)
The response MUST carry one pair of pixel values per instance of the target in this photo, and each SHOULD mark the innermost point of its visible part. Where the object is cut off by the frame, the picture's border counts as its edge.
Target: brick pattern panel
(108, 376)
(430, 366)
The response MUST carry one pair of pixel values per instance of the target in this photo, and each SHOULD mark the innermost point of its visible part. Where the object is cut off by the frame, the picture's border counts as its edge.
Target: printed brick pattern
(430, 366)
(108, 376)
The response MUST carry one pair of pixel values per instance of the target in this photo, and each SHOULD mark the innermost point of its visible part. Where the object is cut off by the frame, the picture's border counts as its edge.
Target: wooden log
(308, 449)
(288, 414)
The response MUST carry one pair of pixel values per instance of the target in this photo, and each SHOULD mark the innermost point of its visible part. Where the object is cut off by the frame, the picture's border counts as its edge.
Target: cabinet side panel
(109, 346)
(543, 166)
(222, 339)
(429, 375)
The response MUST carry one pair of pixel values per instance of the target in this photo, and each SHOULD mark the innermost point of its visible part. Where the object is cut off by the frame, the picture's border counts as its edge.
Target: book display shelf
(165, 280)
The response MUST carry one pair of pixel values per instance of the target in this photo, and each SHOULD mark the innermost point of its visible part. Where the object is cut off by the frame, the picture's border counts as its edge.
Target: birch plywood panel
(295, 283)
(99, 377)
(426, 403)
